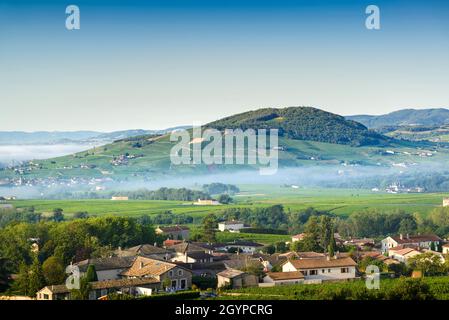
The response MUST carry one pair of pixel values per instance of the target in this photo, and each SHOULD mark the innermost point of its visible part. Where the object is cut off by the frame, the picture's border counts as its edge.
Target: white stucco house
(420, 241)
(232, 226)
(323, 269)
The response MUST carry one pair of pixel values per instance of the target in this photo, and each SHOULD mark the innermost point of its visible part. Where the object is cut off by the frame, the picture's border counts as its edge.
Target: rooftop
(230, 273)
(143, 249)
(323, 263)
(106, 263)
(416, 238)
(292, 275)
(143, 267)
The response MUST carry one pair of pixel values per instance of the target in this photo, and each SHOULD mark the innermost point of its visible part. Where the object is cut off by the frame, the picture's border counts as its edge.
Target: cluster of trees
(270, 217)
(376, 223)
(169, 217)
(273, 217)
(220, 188)
(63, 242)
(29, 215)
(181, 194)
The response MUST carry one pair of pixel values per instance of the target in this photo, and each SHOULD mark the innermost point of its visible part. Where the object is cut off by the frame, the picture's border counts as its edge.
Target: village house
(239, 245)
(231, 226)
(135, 287)
(418, 241)
(119, 198)
(282, 278)
(323, 269)
(235, 279)
(402, 254)
(174, 232)
(106, 268)
(360, 243)
(180, 278)
(193, 257)
(207, 202)
(380, 257)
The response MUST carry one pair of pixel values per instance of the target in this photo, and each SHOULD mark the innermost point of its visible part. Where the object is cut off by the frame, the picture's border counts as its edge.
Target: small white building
(232, 226)
(241, 245)
(446, 248)
(323, 269)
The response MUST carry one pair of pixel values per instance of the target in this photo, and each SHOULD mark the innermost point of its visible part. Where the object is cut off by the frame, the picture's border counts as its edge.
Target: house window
(46, 296)
(344, 270)
(313, 272)
(183, 283)
(305, 272)
(328, 270)
(179, 272)
(174, 283)
(323, 271)
(170, 273)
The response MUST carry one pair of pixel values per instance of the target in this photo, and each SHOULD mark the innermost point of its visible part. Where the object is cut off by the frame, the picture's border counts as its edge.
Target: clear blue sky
(154, 64)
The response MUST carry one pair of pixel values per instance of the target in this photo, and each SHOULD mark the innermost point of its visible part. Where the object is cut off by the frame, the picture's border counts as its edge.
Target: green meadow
(339, 201)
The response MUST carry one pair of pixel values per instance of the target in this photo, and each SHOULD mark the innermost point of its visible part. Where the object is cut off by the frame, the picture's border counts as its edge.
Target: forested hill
(305, 123)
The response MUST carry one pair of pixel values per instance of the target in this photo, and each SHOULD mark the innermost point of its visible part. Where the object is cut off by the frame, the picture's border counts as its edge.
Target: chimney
(401, 236)
(328, 257)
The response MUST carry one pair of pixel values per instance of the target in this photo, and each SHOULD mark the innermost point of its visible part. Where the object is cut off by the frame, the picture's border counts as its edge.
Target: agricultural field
(435, 287)
(339, 201)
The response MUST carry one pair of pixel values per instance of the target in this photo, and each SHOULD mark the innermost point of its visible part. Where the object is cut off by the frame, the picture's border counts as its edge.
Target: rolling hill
(409, 117)
(305, 123)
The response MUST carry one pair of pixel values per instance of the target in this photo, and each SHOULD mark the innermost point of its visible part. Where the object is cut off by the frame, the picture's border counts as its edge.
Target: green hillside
(305, 123)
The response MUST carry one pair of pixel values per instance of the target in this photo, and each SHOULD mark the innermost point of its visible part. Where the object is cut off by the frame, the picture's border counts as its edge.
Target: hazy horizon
(186, 124)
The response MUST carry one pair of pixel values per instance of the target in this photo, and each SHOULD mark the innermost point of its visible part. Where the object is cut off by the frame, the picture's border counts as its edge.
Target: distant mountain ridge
(65, 137)
(419, 117)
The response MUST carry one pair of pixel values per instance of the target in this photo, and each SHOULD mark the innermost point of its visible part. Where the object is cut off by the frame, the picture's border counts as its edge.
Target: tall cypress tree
(36, 278)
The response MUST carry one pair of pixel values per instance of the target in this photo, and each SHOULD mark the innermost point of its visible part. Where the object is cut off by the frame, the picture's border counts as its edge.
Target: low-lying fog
(14, 153)
(363, 177)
